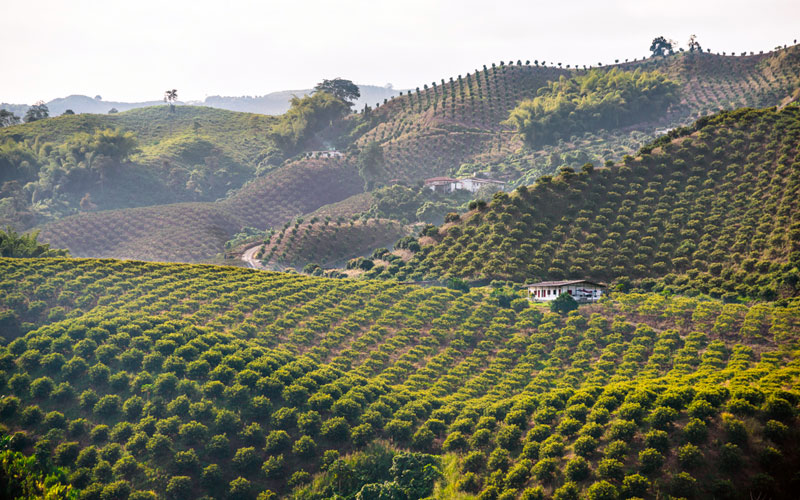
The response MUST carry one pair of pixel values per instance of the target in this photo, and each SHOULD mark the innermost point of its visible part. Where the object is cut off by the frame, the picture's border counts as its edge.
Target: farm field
(712, 208)
(192, 232)
(327, 242)
(515, 279)
(192, 380)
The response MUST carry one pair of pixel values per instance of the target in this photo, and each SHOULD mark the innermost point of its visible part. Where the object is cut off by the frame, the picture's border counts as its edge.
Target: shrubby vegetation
(307, 116)
(199, 380)
(13, 244)
(33, 476)
(416, 204)
(594, 100)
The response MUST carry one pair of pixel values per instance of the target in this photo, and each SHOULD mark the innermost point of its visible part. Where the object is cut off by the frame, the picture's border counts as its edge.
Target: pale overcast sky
(134, 50)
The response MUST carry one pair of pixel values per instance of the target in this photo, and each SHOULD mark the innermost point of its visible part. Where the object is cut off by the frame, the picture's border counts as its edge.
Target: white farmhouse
(471, 184)
(581, 290)
(324, 154)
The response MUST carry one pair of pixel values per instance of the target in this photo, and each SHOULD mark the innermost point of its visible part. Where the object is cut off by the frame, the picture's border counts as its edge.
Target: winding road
(249, 256)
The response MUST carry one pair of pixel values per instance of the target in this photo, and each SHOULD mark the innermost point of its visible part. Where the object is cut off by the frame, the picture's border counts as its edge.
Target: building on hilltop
(471, 184)
(582, 291)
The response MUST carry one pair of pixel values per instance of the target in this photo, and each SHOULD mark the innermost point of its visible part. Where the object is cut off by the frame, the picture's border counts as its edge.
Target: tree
(340, 88)
(113, 111)
(694, 45)
(306, 116)
(7, 118)
(171, 97)
(370, 164)
(37, 112)
(68, 112)
(563, 304)
(661, 47)
(17, 245)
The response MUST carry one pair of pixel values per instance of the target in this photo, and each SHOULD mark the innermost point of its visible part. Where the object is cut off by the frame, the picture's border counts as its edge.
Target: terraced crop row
(327, 242)
(713, 211)
(199, 380)
(192, 232)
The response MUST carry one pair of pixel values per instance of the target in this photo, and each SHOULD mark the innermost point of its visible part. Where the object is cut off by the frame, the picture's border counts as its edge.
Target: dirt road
(249, 256)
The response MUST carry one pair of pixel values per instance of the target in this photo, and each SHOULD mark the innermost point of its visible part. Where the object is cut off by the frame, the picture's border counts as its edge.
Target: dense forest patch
(594, 100)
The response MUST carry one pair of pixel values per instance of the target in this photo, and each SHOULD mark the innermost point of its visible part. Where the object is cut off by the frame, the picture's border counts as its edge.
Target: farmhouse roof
(440, 179)
(565, 283)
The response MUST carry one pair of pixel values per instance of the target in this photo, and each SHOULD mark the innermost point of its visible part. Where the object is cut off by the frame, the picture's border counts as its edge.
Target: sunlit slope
(185, 378)
(713, 210)
(434, 130)
(242, 136)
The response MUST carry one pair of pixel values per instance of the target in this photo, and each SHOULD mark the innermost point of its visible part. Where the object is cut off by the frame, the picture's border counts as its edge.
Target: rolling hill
(142, 157)
(147, 380)
(327, 242)
(455, 127)
(434, 130)
(711, 208)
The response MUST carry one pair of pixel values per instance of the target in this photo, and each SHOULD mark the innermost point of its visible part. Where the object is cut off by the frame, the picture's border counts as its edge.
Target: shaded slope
(197, 231)
(328, 243)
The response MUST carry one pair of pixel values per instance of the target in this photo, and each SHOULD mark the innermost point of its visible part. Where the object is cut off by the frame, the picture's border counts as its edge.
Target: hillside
(277, 103)
(195, 232)
(327, 242)
(456, 127)
(82, 163)
(435, 130)
(190, 380)
(712, 208)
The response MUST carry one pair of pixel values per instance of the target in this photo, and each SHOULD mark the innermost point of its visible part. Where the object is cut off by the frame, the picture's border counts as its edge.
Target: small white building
(471, 184)
(582, 291)
(324, 154)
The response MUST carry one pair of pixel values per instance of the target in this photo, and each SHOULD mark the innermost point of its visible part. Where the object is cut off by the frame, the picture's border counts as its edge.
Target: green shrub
(577, 469)
(650, 460)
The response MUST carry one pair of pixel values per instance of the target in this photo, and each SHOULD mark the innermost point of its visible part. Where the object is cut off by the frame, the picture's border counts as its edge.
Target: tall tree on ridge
(340, 88)
(661, 47)
(171, 97)
(37, 112)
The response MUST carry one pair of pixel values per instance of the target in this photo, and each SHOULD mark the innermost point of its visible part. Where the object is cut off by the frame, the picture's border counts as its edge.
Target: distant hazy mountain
(275, 103)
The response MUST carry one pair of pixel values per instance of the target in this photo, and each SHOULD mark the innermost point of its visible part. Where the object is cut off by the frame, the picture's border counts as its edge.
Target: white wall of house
(471, 185)
(581, 292)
